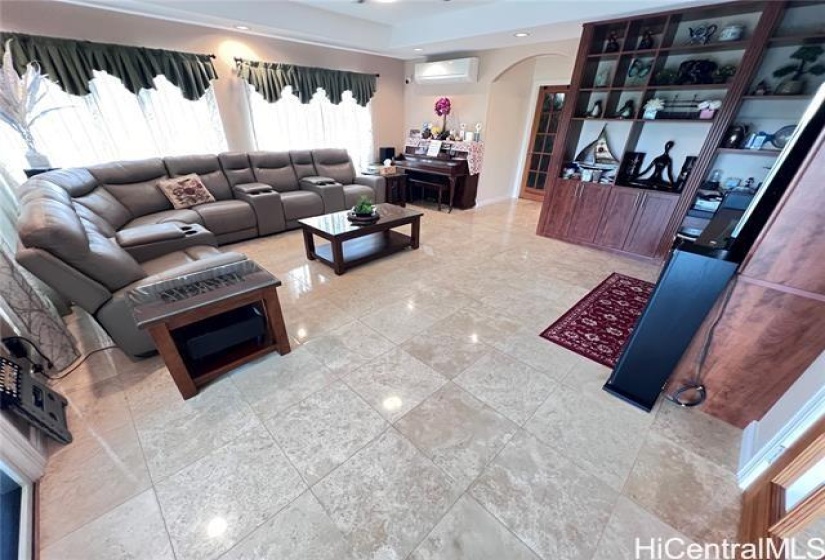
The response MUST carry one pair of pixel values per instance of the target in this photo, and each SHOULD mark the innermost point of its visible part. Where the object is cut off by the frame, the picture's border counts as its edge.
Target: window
(113, 124)
(290, 125)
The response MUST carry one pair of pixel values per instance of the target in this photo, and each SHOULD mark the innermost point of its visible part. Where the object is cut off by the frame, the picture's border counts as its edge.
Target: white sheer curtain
(111, 123)
(290, 125)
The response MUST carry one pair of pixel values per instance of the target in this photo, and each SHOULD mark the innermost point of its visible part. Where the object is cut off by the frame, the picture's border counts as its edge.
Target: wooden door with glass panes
(543, 135)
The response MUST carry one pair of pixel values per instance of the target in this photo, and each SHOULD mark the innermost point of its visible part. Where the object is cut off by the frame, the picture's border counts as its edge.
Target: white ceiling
(400, 27)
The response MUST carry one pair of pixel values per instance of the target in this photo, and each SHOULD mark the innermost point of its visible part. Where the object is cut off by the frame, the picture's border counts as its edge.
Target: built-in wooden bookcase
(766, 111)
(622, 217)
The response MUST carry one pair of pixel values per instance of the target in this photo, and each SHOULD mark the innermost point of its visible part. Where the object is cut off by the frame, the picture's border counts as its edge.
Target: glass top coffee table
(351, 245)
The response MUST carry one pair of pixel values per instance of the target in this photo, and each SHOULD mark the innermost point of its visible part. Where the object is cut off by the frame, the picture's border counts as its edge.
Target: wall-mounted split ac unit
(456, 71)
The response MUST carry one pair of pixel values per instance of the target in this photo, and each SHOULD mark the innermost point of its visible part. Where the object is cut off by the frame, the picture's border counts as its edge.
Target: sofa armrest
(330, 191)
(266, 203)
(377, 183)
(154, 240)
(252, 188)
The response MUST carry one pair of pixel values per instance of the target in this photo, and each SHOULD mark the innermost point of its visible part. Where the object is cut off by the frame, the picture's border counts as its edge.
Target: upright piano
(452, 174)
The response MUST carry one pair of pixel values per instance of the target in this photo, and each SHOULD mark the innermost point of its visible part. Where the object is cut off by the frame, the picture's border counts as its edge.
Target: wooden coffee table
(351, 245)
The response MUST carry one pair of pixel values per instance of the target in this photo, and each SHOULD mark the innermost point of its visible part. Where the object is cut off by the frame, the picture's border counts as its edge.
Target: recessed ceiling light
(418, 49)
(242, 27)
(521, 34)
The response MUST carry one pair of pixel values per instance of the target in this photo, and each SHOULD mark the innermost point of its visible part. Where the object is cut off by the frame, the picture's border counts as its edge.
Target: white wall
(798, 409)
(511, 103)
(502, 101)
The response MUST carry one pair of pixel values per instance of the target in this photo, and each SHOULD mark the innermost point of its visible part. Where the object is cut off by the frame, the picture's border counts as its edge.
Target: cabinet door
(590, 200)
(617, 217)
(650, 223)
(563, 198)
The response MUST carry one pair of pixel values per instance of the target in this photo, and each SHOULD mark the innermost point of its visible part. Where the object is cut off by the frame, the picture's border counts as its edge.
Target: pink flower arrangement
(442, 107)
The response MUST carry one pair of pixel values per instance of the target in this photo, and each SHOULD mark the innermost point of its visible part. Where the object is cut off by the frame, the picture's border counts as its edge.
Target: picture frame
(469, 136)
(434, 148)
(415, 134)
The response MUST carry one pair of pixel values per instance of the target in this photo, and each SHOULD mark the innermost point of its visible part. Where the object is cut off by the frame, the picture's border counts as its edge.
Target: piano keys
(451, 175)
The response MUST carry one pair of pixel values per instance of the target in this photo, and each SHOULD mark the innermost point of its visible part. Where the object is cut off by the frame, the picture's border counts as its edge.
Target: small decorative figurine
(762, 88)
(612, 43)
(646, 41)
(627, 111)
(596, 110)
(701, 34)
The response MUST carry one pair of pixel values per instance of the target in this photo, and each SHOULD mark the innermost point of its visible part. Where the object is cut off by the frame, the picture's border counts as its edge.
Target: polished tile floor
(419, 416)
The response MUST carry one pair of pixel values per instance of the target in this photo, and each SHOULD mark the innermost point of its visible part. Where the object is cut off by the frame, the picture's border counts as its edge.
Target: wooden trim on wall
(763, 504)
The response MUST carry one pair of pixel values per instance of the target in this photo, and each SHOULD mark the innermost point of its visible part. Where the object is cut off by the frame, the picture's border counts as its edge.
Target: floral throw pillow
(185, 191)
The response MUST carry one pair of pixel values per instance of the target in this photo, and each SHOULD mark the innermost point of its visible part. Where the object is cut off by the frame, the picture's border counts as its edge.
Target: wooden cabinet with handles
(590, 200)
(617, 218)
(650, 222)
(562, 200)
(620, 218)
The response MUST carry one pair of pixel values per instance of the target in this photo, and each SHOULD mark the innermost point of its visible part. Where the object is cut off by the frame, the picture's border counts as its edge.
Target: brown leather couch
(95, 233)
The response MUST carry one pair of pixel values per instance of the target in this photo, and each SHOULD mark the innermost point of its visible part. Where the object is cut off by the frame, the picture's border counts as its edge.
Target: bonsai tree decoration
(21, 100)
(442, 109)
(806, 55)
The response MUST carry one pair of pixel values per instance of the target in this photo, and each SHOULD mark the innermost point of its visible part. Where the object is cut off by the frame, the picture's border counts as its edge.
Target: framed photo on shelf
(415, 134)
(434, 148)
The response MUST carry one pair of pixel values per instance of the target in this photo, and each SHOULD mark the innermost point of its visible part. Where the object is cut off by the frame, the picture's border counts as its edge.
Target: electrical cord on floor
(78, 363)
(695, 384)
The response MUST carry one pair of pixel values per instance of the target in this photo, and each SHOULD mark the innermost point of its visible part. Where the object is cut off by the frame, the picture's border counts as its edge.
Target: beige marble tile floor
(419, 416)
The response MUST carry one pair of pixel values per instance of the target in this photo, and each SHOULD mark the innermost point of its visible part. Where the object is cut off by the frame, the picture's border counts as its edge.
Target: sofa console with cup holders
(93, 234)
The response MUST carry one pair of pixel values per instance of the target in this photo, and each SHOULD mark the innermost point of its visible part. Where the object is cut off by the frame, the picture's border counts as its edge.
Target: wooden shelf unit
(561, 215)
(757, 109)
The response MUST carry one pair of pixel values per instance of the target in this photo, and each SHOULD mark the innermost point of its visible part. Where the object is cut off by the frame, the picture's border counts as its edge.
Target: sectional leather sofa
(95, 233)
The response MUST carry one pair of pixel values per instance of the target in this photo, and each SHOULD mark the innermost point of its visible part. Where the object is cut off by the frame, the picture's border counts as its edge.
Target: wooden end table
(165, 321)
(396, 188)
(351, 245)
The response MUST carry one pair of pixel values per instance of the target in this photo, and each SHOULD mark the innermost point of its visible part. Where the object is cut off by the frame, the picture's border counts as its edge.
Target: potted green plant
(363, 208)
(21, 99)
(795, 84)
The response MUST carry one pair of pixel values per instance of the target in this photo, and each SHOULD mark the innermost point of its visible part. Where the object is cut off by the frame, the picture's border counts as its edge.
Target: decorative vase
(732, 32)
(790, 87)
(735, 136)
(650, 114)
(707, 113)
(36, 159)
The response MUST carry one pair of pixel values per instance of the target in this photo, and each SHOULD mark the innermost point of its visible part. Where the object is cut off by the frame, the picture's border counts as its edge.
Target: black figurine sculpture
(659, 165)
(647, 40)
(596, 110)
(612, 43)
(627, 111)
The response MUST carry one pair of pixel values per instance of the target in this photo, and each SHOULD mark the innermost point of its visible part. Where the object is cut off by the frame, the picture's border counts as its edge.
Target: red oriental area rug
(598, 326)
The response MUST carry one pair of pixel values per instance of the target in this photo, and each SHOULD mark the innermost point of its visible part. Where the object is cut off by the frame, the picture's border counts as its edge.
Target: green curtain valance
(71, 64)
(270, 78)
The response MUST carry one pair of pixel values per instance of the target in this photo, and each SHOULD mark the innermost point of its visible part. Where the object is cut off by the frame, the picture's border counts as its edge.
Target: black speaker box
(386, 153)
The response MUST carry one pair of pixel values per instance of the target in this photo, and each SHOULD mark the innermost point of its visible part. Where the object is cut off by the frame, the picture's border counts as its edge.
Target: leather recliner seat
(93, 234)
